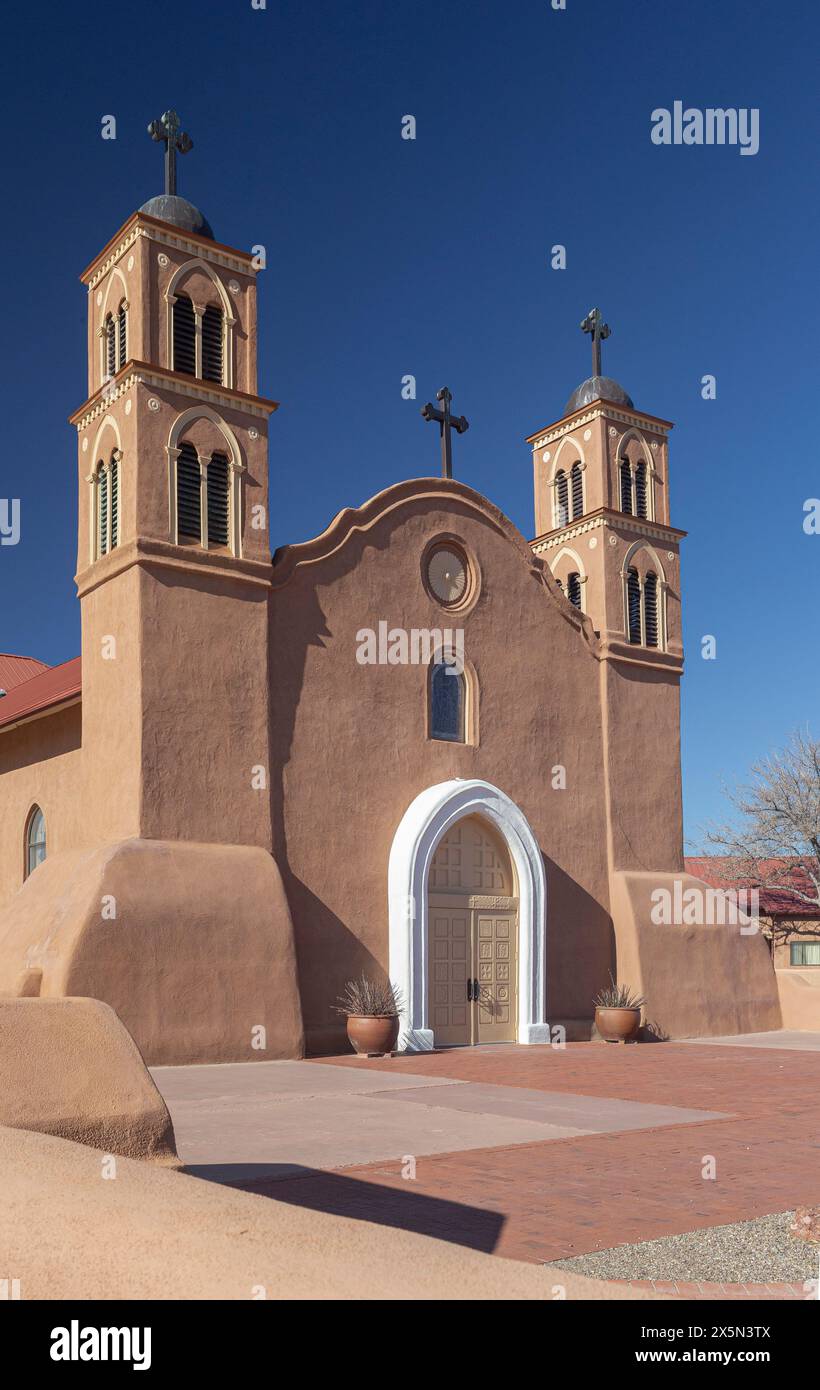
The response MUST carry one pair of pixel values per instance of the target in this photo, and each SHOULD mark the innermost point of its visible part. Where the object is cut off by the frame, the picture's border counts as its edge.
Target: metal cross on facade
(446, 423)
(594, 324)
(167, 128)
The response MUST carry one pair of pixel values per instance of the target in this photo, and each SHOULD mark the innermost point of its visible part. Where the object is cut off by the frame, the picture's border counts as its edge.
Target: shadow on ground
(402, 1208)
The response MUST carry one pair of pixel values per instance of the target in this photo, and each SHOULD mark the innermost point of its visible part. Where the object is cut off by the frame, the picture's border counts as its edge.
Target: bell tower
(603, 526)
(173, 565)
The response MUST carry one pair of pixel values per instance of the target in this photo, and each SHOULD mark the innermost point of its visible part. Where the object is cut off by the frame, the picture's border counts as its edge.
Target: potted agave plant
(372, 1009)
(618, 1013)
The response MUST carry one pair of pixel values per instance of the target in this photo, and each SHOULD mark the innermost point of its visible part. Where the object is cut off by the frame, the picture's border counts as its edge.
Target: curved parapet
(701, 977)
(191, 945)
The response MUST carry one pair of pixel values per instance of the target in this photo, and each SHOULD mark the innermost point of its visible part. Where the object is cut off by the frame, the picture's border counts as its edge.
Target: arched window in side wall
(35, 840)
(561, 498)
(626, 487)
(577, 491)
(633, 603)
(184, 322)
(650, 609)
(447, 702)
(110, 346)
(640, 490)
(212, 351)
(574, 589)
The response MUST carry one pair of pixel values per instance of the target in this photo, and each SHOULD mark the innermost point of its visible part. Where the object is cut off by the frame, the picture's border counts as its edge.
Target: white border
(422, 826)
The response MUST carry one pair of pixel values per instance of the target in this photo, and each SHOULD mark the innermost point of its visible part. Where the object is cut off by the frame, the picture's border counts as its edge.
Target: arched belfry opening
(467, 898)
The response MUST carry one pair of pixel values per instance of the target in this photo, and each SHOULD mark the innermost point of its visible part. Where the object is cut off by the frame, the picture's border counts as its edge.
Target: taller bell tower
(173, 564)
(603, 526)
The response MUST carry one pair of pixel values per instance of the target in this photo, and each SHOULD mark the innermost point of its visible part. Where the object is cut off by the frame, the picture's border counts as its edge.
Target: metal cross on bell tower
(594, 324)
(168, 128)
(446, 423)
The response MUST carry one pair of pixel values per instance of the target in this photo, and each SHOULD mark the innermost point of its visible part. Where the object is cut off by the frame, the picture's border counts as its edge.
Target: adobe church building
(225, 810)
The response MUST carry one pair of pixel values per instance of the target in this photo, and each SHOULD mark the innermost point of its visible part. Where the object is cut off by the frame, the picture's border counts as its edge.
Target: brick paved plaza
(529, 1153)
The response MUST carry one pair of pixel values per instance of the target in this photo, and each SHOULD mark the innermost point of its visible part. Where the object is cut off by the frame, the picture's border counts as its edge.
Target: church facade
(416, 746)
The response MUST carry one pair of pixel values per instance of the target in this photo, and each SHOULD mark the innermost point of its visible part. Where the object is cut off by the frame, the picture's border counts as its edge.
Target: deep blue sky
(388, 257)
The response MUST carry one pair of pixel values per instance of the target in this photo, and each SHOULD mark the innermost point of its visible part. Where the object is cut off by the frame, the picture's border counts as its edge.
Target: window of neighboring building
(804, 952)
(447, 702)
(35, 840)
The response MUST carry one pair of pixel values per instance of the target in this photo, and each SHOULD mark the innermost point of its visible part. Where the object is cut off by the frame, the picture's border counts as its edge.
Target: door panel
(496, 969)
(451, 966)
(469, 945)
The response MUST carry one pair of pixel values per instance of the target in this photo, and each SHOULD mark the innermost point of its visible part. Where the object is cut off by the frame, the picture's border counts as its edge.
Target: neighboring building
(798, 948)
(234, 810)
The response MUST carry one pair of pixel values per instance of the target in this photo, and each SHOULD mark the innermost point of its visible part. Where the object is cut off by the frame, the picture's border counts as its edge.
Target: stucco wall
(40, 763)
(698, 981)
(351, 751)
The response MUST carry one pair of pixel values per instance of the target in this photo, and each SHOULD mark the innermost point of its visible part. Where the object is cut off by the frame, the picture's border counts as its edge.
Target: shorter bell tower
(603, 527)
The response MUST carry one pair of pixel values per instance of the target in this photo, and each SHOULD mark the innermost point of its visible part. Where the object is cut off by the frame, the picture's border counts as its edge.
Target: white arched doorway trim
(421, 828)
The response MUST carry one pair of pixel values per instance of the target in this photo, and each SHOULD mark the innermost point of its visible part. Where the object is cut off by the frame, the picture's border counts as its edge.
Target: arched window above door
(448, 690)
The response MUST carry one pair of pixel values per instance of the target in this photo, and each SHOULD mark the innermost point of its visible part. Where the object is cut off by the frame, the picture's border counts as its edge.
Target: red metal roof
(716, 871)
(16, 669)
(51, 686)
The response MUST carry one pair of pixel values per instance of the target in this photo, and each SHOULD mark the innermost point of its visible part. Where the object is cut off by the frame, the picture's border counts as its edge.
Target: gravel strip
(748, 1252)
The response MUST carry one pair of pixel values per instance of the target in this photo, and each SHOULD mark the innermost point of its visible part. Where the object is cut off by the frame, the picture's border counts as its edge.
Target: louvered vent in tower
(561, 498)
(184, 336)
(650, 600)
(626, 487)
(212, 344)
(110, 346)
(640, 489)
(577, 487)
(102, 511)
(114, 535)
(121, 337)
(633, 594)
(189, 494)
(218, 500)
(574, 589)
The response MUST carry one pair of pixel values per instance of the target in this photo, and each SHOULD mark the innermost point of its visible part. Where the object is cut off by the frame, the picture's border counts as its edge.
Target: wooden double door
(473, 975)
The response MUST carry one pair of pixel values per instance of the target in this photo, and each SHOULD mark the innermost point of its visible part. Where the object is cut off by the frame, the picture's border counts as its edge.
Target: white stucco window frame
(424, 823)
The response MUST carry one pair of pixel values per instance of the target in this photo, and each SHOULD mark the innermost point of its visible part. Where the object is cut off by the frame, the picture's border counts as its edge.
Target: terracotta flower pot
(618, 1025)
(372, 1036)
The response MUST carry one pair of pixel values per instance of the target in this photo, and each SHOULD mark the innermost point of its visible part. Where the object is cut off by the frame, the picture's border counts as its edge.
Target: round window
(447, 575)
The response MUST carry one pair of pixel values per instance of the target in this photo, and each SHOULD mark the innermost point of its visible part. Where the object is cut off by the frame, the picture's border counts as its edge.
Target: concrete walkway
(243, 1122)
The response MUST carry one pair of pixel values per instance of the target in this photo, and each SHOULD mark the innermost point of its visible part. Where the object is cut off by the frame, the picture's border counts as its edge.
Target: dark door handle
(475, 990)
(469, 991)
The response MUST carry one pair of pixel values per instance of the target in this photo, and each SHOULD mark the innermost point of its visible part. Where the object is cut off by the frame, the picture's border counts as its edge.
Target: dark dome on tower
(169, 207)
(597, 388)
